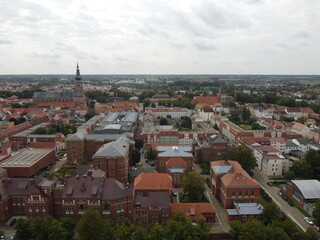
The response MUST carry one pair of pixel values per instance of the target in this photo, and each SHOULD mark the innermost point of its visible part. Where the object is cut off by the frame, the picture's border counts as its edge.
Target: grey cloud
(292, 45)
(71, 50)
(302, 34)
(44, 55)
(204, 45)
(5, 41)
(220, 17)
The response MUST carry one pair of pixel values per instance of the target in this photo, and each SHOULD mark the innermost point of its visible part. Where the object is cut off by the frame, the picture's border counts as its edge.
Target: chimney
(32, 181)
(89, 173)
(77, 177)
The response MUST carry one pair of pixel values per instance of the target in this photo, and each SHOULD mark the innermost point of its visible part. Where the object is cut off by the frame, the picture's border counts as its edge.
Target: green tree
(194, 186)
(125, 230)
(312, 158)
(244, 156)
(155, 232)
(215, 126)
(135, 156)
(41, 130)
(270, 213)
(90, 225)
(289, 175)
(151, 155)
(138, 143)
(109, 230)
(163, 121)
(301, 169)
(146, 103)
(316, 212)
(90, 113)
(56, 231)
(302, 119)
(22, 120)
(245, 114)
(68, 224)
(52, 130)
(22, 228)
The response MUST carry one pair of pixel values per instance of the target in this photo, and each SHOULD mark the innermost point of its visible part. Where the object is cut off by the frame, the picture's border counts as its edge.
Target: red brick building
(24, 197)
(110, 198)
(213, 148)
(175, 160)
(152, 197)
(113, 158)
(229, 182)
(6, 133)
(62, 99)
(195, 211)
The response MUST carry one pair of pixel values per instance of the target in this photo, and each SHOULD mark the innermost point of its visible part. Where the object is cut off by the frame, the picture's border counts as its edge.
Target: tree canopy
(244, 156)
(194, 186)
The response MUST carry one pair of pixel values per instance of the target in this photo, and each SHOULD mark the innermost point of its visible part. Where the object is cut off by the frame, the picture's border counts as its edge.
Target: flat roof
(26, 157)
(174, 151)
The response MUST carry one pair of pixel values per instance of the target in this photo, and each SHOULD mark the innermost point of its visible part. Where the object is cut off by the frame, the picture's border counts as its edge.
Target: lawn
(245, 127)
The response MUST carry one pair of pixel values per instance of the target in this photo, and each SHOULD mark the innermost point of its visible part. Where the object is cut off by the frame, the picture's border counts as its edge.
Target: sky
(160, 36)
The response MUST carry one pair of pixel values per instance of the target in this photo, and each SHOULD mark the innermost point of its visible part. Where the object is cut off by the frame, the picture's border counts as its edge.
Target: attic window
(83, 188)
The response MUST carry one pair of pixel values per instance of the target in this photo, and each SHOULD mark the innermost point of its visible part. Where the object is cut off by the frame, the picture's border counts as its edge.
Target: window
(81, 207)
(246, 192)
(106, 205)
(252, 193)
(240, 193)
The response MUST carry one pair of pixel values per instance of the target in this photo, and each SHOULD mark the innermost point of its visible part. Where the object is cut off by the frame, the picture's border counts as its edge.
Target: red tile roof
(176, 161)
(153, 181)
(193, 211)
(206, 100)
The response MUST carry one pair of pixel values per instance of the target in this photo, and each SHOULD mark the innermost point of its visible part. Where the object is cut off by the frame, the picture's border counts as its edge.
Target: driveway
(291, 212)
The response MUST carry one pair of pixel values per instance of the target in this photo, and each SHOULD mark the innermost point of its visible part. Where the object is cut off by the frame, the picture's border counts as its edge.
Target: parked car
(269, 183)
(308, 220)
(291, 203)
(174, 193)
(316, 228)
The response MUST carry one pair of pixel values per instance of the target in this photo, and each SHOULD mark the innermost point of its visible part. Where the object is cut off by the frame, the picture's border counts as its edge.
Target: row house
(174, 112)
(173, 136)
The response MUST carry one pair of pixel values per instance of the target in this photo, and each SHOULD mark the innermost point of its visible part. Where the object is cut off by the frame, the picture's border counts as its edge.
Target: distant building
(62, 99)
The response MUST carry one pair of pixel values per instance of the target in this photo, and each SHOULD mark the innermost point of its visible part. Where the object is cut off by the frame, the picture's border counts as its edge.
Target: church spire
(78, 77)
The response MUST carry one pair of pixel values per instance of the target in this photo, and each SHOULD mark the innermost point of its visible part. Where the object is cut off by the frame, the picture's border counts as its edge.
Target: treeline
(92, 227)
(306, 168)
(274, 99)
(20, 95)
(272, 225)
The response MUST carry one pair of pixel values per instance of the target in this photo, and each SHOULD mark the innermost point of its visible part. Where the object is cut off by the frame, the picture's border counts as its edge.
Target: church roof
(53, 95)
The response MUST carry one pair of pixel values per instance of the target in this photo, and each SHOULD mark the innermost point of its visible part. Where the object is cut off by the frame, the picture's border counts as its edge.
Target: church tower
(79, 95)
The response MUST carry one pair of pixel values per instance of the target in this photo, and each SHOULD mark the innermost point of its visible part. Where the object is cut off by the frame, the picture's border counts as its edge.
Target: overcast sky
(160, 36)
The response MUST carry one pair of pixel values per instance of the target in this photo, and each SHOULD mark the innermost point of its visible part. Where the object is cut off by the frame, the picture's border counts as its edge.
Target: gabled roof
(53, 95)
(118, 148)
(193, 211)
(153, 181)
(159, 199)
(78, 136)
(113, 189)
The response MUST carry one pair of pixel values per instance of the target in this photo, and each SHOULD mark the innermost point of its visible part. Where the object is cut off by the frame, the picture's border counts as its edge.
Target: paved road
(221, 224)
(291, 212)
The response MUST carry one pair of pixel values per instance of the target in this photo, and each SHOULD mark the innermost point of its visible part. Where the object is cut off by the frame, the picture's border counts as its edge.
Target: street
(292, 212)
(221, 224)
